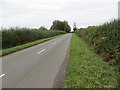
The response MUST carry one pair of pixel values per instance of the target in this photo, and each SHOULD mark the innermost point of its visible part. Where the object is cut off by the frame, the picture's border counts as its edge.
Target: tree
(43, 28)
(74, 27)
(61, 25)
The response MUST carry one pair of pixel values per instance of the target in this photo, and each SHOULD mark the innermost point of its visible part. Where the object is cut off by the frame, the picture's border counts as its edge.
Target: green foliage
(61, 25)
(74, 29)
(18, 36)
(42, 28)
(86, 69)
(20, 47)
(104, 39)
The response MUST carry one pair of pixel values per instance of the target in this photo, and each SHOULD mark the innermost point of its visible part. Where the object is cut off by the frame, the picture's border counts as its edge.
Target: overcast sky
(36, 13)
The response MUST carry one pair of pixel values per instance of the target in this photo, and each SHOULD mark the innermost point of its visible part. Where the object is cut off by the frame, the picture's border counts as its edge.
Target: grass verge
(86, 69)
(20, 47)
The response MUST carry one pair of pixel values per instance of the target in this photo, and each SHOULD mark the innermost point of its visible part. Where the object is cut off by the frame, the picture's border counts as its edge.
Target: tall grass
(18, 36)
(104, 40)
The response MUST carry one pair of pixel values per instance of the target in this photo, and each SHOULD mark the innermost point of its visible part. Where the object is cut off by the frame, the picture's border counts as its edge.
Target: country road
(40, 66)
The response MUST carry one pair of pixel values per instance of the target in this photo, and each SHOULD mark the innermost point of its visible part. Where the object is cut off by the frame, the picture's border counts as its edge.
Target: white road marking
(2, 75)
(41, 51)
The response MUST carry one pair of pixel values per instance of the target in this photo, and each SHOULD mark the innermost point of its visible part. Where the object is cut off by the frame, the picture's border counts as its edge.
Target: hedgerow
(104, 40)
(17, 36)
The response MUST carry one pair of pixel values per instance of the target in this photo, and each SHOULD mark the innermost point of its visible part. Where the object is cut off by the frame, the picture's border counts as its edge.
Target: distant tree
(61, 25)
(43, 28)
(74, 27)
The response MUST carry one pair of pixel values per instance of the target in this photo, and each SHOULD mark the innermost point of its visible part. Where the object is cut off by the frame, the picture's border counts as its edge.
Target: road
(40, 66)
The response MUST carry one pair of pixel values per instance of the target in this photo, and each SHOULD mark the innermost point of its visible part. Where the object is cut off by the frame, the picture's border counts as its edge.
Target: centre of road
(41, 51)
(45, 49)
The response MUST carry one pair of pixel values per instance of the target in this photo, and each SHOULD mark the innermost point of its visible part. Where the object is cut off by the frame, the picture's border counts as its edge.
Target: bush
(18, 36)
(104, 39)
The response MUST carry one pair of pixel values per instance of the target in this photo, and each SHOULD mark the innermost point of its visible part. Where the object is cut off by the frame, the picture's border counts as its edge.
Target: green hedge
(18, 36)
(104, 40)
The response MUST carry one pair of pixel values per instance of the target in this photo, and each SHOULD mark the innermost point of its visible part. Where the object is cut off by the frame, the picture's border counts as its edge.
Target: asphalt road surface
(40, 66)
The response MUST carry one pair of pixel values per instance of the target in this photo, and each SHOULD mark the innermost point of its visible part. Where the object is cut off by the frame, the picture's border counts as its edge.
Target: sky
(36, 13)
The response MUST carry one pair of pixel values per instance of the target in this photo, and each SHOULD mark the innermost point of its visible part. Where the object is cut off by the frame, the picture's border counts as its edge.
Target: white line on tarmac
(41, 51)
(2, 75)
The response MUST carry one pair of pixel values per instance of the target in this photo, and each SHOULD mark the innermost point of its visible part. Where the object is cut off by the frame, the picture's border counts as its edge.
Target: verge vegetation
(18, 36)
(20, 47)
(104, 40)
(86, 69)
(14, 39)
